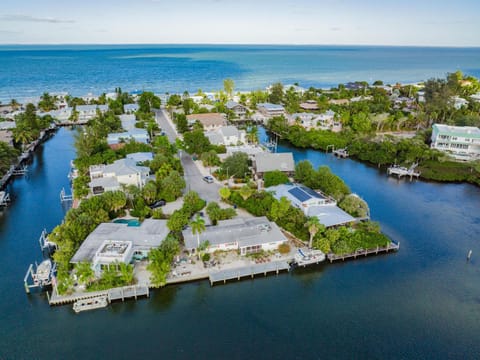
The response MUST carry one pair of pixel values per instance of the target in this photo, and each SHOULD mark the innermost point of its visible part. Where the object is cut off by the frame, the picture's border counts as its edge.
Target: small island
(175, 188)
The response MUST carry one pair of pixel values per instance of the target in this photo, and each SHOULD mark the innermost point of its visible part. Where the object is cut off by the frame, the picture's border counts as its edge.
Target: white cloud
(29, 18)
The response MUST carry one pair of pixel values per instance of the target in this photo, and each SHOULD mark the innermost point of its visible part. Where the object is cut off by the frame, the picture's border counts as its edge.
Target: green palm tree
(85, 273)
(252, 134)
(198, 226)
(314, 226)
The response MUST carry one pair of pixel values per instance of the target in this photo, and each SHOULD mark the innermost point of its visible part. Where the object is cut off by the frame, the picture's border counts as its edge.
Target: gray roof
(330, 215)
(271, 107)
(140, 156)
(6, 125)
(244, 231)
(128, 122)
(149, 235)
(214, 137)
(279, 161)
(104, 182)
(139, 135)
(133, 107)
(91, 107)
(229, 131)
(125, 167)
(232, 104)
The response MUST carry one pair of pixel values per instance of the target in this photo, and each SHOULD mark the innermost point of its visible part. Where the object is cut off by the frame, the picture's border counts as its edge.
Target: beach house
(114, 243)
(265, 162)
(246, 235)
(312, 203)
(239, 110)
(88, 112)
(270, 110)
(122, 172)
(118, 140)
(461, 142)
(226, 135)
(209, 121)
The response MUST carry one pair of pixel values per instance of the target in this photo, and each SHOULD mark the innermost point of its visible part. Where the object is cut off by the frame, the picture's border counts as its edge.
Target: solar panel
(301, 195)
(311, 192)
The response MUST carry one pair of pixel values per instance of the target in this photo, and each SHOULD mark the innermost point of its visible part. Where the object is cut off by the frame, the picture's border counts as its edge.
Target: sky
(342, 22)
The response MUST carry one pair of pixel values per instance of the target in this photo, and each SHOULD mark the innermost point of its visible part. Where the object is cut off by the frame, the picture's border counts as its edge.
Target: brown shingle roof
(208, 119)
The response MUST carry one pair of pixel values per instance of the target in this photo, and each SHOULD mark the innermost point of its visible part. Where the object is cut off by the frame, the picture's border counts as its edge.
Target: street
(192, 174)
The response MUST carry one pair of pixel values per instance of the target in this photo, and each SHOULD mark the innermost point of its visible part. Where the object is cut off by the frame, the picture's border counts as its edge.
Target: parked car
(158, 204)
(208, 179)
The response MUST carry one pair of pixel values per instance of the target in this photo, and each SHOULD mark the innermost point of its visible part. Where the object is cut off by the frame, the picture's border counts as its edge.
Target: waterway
(422, 302)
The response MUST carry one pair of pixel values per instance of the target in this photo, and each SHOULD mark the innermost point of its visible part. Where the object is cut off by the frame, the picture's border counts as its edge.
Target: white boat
(90, 304)
(43, 271)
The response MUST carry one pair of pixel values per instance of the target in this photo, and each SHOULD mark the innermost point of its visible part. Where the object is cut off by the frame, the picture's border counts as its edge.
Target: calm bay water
(422, 302)
(28, 71)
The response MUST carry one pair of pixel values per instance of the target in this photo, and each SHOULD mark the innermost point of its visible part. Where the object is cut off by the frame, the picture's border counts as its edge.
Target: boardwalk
(362, 252)
(252, 270)
(121, 293)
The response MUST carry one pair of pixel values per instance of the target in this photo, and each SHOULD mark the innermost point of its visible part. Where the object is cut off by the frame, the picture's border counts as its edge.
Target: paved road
(193, 176)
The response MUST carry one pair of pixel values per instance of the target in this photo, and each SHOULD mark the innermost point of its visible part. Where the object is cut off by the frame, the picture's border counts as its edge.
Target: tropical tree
(149, 192)
(245, 192)
(252, 134)
(198, 226)
(224, 193)
(148, 101)
(126, 273)
(14, 104)
(229, 86)
(85, 273)
(314, 226)
(47, 102)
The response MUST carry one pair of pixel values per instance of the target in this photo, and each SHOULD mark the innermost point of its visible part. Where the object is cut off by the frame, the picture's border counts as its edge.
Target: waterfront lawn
(346, 240)
(451, 171)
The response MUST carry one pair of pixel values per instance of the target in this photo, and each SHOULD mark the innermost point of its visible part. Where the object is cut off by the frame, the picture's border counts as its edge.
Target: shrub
(284, 248)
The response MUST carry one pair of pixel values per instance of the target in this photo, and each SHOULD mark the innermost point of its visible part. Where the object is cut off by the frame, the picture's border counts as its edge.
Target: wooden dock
(341, 153)
(364, 252)
(248, 271)
(120, 293)
(401, 171)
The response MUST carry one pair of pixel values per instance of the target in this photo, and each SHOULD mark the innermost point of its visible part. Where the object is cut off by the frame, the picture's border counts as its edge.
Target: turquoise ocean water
(27, 71)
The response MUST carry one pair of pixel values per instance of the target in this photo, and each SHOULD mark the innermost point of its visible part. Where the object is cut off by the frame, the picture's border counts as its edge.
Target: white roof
(330, 215)
(244, 231)
(125, 167)
(148, 235)
(271, 107)
(270, 162)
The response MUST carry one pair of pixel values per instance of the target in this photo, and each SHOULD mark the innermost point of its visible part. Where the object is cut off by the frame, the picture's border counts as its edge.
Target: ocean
(28, 71)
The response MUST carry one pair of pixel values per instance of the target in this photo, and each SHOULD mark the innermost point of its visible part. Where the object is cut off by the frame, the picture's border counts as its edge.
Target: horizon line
(239, 44)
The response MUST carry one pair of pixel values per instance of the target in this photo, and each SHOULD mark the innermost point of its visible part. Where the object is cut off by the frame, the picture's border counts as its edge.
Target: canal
(422, 302)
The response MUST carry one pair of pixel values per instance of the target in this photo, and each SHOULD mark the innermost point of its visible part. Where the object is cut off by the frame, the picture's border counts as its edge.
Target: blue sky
(375, 22)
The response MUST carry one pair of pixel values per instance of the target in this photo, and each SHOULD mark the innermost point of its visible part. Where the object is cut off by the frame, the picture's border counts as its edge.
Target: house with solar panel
(313, 203)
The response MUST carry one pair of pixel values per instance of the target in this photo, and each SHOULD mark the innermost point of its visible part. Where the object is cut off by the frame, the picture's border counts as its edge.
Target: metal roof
(270, 162)
(148, 235)
(244, 231)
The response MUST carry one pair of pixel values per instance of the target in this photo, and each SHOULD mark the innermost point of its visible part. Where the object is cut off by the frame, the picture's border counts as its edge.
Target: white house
(128, 121)
(130, 108)
(461, 142)
(227, 135)
(312, 203)
(266, 162)
(120, 243)
(247, 235)
(475, 97)
(209, 121)
(87, 112)
(270, 110)
(237, 108)
(121, 172)
(138, 135)
(459, 102)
